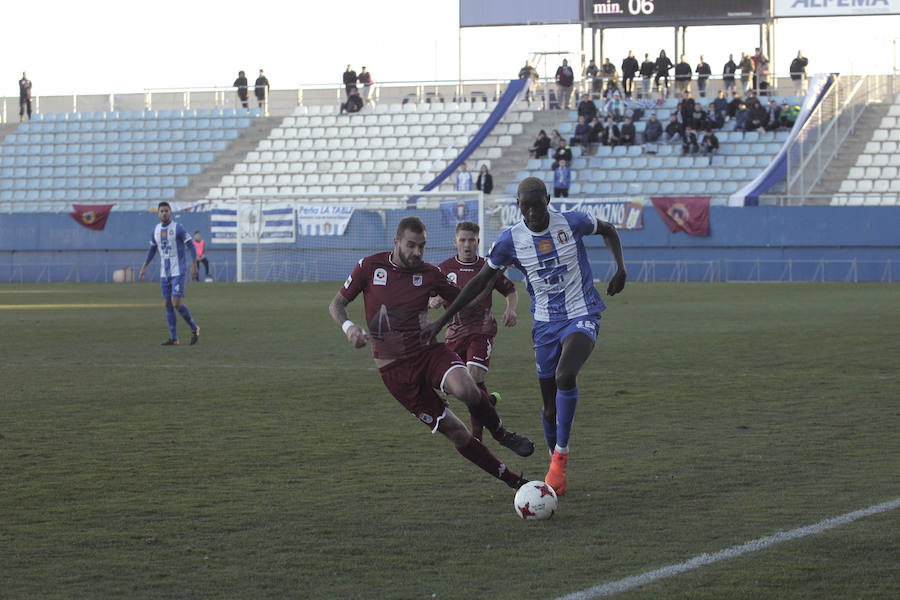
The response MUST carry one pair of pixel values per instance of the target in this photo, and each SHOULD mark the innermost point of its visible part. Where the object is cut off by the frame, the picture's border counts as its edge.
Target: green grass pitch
(268, 461)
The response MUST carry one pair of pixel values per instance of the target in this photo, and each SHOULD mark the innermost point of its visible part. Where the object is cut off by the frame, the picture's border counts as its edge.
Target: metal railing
(823, 134)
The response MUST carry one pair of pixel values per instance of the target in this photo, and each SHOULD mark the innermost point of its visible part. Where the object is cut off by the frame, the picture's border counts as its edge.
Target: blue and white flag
(271, 224)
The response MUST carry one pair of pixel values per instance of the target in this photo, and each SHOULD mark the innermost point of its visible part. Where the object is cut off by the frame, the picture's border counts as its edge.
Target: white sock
(562, 450)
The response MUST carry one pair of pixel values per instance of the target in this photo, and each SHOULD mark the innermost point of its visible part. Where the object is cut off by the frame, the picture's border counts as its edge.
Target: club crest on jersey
(417, 280)
(451, 277)
(545, 246)
(163, 233)
(562, 236)
(380, 277)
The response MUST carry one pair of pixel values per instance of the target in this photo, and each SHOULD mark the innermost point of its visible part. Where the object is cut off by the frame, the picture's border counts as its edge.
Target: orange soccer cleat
(556, 476)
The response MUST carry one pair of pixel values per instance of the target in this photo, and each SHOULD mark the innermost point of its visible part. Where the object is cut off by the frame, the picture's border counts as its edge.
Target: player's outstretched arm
(612, 241)
(509, 315)
(478, 284)
(356, 335)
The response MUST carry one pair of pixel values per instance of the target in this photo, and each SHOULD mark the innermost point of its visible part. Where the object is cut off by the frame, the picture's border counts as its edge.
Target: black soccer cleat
(521, 481)
(170, 342)
(519, 444)
(195, 335)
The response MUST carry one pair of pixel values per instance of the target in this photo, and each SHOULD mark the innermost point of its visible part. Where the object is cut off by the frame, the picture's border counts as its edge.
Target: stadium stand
(395, 147)
(131, 158)
(873, 180)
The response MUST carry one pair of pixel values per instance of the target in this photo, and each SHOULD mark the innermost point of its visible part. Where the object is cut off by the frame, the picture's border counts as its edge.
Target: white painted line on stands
(614, 587)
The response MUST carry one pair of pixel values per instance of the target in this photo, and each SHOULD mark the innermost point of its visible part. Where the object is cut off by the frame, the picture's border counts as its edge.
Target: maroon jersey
(396, 301)
(477, 318)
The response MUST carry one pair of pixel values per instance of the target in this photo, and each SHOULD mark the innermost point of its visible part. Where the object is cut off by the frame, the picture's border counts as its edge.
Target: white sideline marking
(614, 587)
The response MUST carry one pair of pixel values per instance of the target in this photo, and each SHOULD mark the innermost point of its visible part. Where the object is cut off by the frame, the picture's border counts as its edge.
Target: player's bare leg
(476, 452)
(459, 383)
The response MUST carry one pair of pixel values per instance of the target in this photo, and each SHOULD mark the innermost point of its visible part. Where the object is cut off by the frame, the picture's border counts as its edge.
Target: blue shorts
(548, 338)
(172, 286)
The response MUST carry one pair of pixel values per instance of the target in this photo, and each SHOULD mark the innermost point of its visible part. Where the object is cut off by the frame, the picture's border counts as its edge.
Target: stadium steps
(839, 167)
(224, 162)
(7, 129)
(515, 157)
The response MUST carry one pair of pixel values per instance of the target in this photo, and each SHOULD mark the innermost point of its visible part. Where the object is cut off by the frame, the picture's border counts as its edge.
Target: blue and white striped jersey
(555, 265)
(170, 240)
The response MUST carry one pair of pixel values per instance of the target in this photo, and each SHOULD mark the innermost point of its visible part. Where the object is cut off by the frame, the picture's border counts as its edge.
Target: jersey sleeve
(188, 241)
(356, 281)
(151, 251)
(504, 285)
(501, 253)
(581, 223)
(445, 288)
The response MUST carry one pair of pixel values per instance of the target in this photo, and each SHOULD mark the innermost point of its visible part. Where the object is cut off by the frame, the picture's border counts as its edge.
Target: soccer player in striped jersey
(548, 248)
(170, 240)
(471, 332)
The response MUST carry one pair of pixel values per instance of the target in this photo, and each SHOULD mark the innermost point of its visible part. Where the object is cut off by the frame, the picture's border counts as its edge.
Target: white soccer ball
(536, 501)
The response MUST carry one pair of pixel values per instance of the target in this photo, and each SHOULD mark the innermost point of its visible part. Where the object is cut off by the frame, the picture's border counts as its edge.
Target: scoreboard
(662, 13)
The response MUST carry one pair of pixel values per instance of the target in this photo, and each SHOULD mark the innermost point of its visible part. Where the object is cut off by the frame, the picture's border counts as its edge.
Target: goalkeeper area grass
(269, 461)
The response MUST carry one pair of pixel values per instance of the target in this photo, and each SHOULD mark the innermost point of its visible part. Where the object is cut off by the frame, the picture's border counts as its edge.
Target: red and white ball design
(536, 501)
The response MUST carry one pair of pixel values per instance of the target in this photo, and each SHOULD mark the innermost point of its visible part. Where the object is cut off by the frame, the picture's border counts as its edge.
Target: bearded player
(471, 331)
(396, 287)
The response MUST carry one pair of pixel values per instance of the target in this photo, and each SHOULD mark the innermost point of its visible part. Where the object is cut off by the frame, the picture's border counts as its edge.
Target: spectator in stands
(261, 88)
(728, 72)
(541, 145)
(672, 132)
(788, 115)
(686, 107)
(365, 78)
(760, 72)
(200, 245)
(746, 67)
(615, 107)
(798, 72)
(683, 74)
(648, 68)
(241, 84)
(24, 97)
(596, 130)
(699, 119)
(556, 139)
(703, 72)
(610, 134)
(587, 108)
(562, 178)
(353, 104)
(484, 183)
(350, 80)
(592, 77)
(530, 73)
(652, 132)
(610, 76)
(733, 105)
(757, 115)
(582, 135)
(689, 144)
(562, 152)
(463, 179)
(719, 109)
(630, 68)
(773, 116)
(741, 117)
(663, 64)
(709, 144)
(628, 134)
(565, 77)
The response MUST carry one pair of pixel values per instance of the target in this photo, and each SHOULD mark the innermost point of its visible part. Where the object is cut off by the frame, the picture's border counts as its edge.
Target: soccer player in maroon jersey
(471, 331)
(396, 287)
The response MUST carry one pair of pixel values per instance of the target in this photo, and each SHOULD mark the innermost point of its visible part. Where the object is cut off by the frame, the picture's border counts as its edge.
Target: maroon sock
(487, 415)
(477, 453)
(477, 427)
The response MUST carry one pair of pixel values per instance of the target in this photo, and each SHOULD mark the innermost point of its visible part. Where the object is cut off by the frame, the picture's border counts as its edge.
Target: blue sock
(172, 321)
(566, 401)
(186, 314)
(549, 432)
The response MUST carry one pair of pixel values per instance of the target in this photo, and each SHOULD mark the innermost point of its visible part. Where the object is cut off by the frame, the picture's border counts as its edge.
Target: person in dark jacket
(485, 182)
(353, 104)
(350, 80)
(648, 68)
(565, 77)
(703, 72)
(798, 72)
(673, 130)
(627, 134)
(683, 74)
(728, 72)
(582, 135)
(709, 145)
(610, 76)
(689, 144)
(663, 64)
(629, 68)
(24, 97)
(773, 116)
(610, 134)
(241, 84)
(562, 152)
(652, 132)
(733, 105)
(587, 108)
(541, 145)
(261, 88)
(720, 109)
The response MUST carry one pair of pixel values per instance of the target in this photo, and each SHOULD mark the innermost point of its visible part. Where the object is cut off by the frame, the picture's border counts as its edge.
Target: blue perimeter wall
(53, 247)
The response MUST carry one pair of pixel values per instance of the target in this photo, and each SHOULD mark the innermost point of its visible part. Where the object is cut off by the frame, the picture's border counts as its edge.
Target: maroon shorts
(474, 349)
(412, 382)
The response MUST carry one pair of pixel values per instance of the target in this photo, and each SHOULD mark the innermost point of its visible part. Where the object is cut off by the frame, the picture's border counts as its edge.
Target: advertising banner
(625, 213)
(834, 8)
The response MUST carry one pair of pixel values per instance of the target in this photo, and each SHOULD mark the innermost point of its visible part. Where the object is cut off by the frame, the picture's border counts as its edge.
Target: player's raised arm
(356, 335)
(612, 241)
(478, 284)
